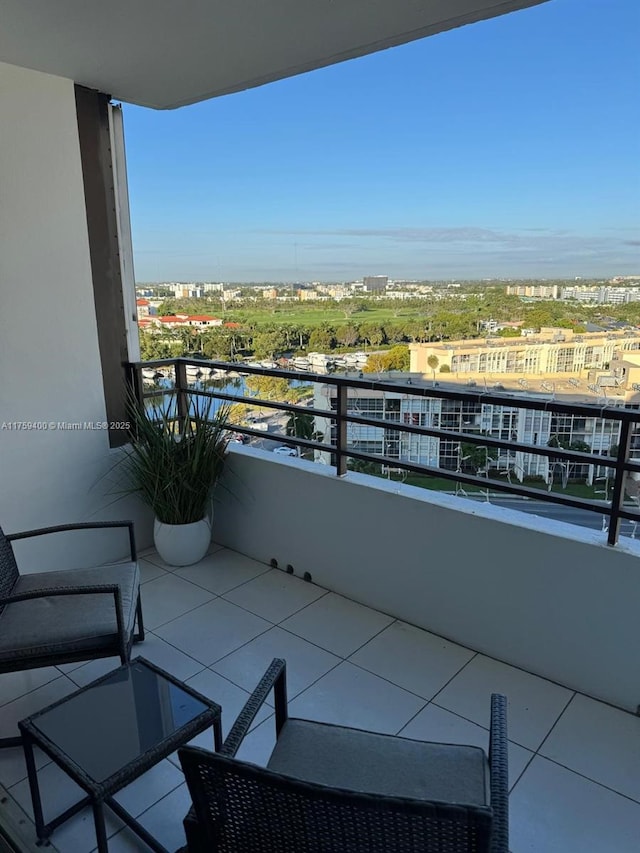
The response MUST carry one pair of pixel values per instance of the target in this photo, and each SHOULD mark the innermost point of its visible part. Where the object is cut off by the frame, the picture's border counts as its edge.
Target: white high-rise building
(535, 427)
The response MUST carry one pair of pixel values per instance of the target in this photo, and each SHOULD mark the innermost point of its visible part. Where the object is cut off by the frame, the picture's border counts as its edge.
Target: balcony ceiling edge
(162, 54)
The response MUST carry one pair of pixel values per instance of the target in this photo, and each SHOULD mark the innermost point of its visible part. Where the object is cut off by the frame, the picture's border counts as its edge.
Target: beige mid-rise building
(552, 350)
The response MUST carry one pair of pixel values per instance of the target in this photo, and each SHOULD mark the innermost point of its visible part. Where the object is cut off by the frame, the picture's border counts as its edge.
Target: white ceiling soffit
(167, 53)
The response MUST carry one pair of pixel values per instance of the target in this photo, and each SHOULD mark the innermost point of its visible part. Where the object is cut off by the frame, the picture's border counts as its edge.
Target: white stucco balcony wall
(549, 597)
(49, 356)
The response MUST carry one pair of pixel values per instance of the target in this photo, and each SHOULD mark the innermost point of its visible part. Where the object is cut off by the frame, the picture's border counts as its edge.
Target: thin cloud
(473, 236)
(408, 234)
(408, 252)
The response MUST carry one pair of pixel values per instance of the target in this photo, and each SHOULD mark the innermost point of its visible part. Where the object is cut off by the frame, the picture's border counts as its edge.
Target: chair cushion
(68, 624)
(382, 764)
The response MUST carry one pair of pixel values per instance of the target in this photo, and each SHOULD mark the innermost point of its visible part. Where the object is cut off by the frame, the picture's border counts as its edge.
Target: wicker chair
(329, 789)
(52, 618)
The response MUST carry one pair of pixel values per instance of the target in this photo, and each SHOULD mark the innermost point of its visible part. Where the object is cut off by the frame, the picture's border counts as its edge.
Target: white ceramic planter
(182, 544)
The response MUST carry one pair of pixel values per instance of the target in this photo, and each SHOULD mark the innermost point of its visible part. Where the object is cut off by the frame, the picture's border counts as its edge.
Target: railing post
(134, 381)
(182, 400)
(341, 429)
(620, 475)
(135, 393)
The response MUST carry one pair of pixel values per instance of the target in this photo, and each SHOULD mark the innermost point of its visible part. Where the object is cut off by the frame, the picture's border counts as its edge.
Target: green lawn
(580, 490)
(301, 315)
(440, 484)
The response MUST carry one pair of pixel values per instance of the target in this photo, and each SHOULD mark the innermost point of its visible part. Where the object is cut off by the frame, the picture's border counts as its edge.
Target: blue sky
(508, 148)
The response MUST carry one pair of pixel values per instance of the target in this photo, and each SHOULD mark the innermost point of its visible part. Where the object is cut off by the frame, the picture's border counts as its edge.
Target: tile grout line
(392, 683)
(284, 618)
(171, 645)
(430, 701)
(242, 645)
(46, 684)
(557, 720)
(181, 615)
(126, 829)
(297, 637)
(521, 774)
(33, 690)
(349, 661)
(304, 639)
(328, 651)
(587, 778)
(175, 572)
(464, 666)
(226, 591)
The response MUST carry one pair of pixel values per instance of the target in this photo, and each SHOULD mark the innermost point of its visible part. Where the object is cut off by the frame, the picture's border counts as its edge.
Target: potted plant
(174, 464)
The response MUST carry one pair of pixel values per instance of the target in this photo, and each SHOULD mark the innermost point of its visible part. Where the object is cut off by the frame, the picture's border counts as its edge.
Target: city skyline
(506, 149)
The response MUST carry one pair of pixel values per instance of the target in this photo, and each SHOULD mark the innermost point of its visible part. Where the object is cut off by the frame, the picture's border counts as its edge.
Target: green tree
(348, 335)
(395, 332)
(295, 336)
(269, 343)
(269, 387)
(322, 339)
(240, 414)
(414, 330)
(350, 307)
(565, 444)
(580, 447)
(478, 457)
(303, 334)
(188, 338)
(566, 467)
(167, 307)
(217, 344)
(397, 358)
(372, 334)
(300, 425)
(154, 346)
(433, 361)
(362, 467)
(376, 363)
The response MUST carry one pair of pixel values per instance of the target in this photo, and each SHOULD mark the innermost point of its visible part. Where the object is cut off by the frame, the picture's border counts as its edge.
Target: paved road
(581, 517)
(275, 440)
(569, 514)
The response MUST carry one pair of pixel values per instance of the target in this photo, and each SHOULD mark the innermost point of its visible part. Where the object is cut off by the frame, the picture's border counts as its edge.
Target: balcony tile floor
(575, 782)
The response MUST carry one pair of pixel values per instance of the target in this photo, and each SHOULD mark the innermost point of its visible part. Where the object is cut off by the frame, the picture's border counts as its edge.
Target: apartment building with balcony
(310, 295)
(507, 422)
(550, 351)
(533, 291)
(602, 295)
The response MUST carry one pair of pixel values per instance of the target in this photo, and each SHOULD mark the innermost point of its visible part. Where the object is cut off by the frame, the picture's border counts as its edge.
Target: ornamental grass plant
(174, 464)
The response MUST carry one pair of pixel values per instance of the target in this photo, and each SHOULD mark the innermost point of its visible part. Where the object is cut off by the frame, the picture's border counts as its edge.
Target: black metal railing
(618, 467)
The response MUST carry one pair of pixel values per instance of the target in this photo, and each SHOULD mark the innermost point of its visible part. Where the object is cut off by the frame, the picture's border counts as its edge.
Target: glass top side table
(107, 734)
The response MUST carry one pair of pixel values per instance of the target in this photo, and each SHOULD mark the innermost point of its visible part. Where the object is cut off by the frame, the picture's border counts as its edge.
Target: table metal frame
(101, 793)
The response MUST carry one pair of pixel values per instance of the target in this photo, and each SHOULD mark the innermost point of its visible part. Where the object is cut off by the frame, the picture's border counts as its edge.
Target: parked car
(286, 451)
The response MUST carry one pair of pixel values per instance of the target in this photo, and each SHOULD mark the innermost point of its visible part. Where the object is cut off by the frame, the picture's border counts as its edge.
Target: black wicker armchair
(59, 617)
(329, 789)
